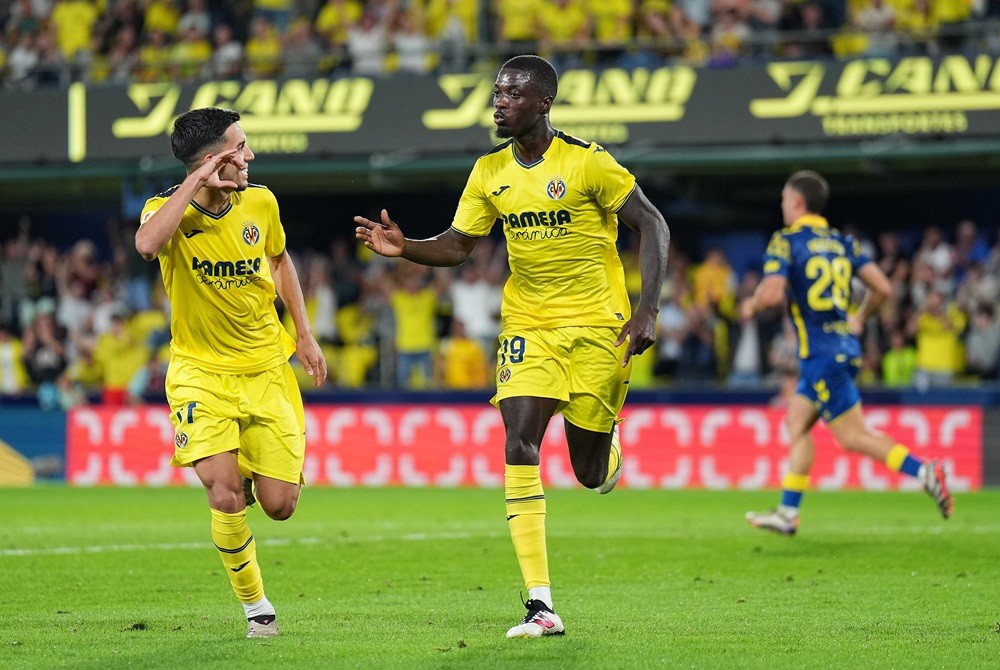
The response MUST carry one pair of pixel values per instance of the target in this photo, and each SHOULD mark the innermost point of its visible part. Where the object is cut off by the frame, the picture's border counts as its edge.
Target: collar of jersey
(225, 210)
(521, 162)
(812, 220)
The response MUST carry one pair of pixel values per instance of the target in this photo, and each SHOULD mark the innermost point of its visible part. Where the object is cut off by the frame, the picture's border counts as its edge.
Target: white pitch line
(267, 542)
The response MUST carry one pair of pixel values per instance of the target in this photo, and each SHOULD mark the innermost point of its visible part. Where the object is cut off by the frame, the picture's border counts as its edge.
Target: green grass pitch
(408, 578)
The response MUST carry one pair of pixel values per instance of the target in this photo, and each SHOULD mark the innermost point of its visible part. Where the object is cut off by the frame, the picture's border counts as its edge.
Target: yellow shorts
(578, 365)
(259, 416)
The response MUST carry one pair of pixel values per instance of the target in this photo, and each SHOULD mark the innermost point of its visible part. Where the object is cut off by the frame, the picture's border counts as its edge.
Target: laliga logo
(556, 188)
(181, 440)
(250, 234)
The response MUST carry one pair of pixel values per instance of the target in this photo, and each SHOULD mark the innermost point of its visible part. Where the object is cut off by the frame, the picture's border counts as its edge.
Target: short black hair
(199, 130)
(813, 189)
(541, 71)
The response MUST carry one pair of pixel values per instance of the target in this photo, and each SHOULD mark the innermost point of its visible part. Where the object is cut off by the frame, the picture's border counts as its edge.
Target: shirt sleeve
(475, 215)
(275, 242)
(149, 209)
(608, 183)
(778, 256)
(857, 254)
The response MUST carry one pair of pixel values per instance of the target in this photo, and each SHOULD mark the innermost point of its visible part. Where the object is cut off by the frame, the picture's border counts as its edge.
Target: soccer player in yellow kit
(567, 334)
(235, 405)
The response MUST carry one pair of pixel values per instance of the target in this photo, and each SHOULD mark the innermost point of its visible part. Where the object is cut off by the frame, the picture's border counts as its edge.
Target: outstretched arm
(448, 249)
(286, 281)
(639, 214)
(153, 235)
(770, 292)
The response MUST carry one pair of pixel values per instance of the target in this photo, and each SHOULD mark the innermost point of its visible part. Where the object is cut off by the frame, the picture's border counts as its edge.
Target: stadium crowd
(54, 42)
(84, 323)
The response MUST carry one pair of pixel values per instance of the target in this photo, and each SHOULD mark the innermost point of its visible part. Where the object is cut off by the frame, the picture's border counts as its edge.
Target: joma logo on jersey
(240, 268)
(556, 188)
(559, 217)
(251, 234)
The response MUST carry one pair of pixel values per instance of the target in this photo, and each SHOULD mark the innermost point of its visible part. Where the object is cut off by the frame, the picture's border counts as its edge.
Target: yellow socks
(233, 539)
(526, 518)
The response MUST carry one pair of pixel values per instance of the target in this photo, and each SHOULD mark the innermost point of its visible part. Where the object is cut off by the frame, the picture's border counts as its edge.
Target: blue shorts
(828, 382)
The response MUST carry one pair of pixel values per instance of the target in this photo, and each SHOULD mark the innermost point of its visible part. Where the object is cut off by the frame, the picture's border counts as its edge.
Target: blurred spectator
(563, 31)
(877, 19)
(45, 358)
(899, 363)
(14, 378)
(728, 35)
(119, 356)
(414, 305)
(612, 27)
(936, 252)
(263, 50)
(14, 264)
(73, 22)
(227, 56)
(23, 61)
(154, 57)
(969, 249)
(748, 353)
(42, 283)
(476, 303)
(277, 13)
(121, 15)
(123, 57)
(713, 281)
(982, 344)
(808, 23)
(517, 26)
(367, 45)
(189, 55)
(161, 16)
(462, 360)
(333, 23)
(196, 16)
(413, 48)
(937, 329)
(453, 25)
(918, 27)
(301, 53)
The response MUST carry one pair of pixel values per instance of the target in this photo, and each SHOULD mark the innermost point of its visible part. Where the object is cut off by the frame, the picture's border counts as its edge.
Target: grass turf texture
(104, 578)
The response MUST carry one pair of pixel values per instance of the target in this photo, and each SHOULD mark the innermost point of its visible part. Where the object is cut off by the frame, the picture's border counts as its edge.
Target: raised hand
(208, 173)
(384, 238)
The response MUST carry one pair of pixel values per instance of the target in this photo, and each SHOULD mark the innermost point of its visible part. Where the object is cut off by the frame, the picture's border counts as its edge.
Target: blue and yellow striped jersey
(818, 261)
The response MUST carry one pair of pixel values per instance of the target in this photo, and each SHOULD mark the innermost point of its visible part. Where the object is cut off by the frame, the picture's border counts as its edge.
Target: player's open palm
(384, 238)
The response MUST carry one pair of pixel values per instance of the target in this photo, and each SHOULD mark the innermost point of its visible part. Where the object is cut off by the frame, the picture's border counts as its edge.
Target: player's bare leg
(232, 537)
(852, 434)
(525, 420)
(800, 419)
(596, 457)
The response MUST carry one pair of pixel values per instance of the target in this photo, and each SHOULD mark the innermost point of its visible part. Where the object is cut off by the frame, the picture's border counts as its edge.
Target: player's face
(518, 104)
(238, 171)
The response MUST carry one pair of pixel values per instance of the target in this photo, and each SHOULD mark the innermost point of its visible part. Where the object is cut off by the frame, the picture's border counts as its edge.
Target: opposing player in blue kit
(813, 265)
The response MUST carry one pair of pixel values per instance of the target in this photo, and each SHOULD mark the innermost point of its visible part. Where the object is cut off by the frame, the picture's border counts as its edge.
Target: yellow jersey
(217, 277)
(559, 217)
